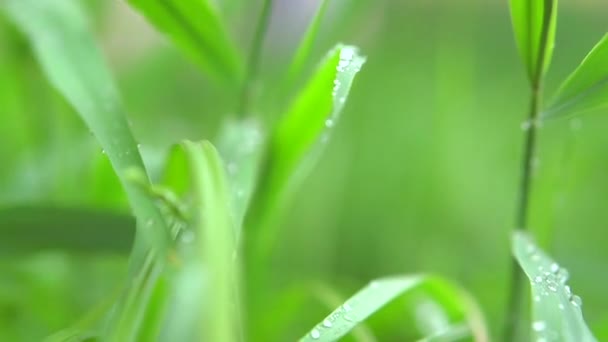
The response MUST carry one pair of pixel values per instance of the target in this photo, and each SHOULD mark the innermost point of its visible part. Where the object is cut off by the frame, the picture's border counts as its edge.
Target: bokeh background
(420, 176)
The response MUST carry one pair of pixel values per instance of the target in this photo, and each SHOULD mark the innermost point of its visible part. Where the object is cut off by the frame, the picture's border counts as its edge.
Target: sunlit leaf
(556, 310)
(298, 140)
(587, 87)
(196, 27)
(531, 18)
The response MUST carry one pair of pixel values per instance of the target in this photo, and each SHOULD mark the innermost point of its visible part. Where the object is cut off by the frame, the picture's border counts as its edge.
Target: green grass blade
(556, 311)
(59, 34)
(298, 140)
(380, 293)
(27, 229)
(196, 27)
(528, 18)
(305, 48)
(587, 87)
(215, 240)
(240, 143)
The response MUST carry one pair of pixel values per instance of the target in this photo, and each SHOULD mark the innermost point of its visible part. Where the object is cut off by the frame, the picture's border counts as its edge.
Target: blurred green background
(421, 175)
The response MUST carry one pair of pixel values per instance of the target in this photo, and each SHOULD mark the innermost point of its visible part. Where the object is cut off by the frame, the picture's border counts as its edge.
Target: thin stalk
(253, 62)
(516, 299)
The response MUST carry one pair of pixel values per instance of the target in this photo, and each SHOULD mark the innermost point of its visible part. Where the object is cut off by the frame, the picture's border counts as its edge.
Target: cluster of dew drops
(328, 323)
(347, 55)
(551, 281)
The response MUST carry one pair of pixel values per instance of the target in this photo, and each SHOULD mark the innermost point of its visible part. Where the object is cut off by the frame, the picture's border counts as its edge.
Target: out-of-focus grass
(421, 175)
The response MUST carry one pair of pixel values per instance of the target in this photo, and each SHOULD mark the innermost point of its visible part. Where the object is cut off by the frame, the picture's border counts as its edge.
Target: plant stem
(528, 164)
(515, 296)
(253, 61)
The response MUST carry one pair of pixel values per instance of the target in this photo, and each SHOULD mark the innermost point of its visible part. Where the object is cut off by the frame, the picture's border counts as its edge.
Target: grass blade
(381, 292)
(240, 143)
(587, 87)
(556, 311)
(196, 27)
(529, 18)
(215, 241)
(298, 140)
(27, 229)
(305, 47)
(58, 32)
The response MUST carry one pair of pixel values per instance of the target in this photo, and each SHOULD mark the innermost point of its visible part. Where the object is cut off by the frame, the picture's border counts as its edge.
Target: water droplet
(315, 334)
(561, 306)
(537, 298)
(538, 279)
(103, 151)
(554, 268)
(327, 323)
(536, 257)
(563, 275)
(329, 123)
(530, 249)
(568, 290)
(576, 301)
(347, 308)
(539, 325)
(348, 318)
(525, 125)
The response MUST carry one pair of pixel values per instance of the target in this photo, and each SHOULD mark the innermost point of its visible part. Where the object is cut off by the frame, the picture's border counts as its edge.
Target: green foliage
(587, 87)
(214, 210)
(304, 50)
(556, 311)
(380, 293)
(297, 141)
(58, 32)
(197, 28)
(534, 23)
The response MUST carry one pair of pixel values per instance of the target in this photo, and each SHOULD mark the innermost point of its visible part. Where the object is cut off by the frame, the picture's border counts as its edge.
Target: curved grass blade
(58, 32)
(556, 311)
(381, 292)
(27, 229)
(587, 87)
(298, 140)
(196, 27)
(208, 272)
(529, 18)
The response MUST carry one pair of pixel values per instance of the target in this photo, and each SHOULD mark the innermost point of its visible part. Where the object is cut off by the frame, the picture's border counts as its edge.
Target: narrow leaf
(240, 143)
(531, 19)
(59, 34)
(196, 27)
(556, 311)
(380, 293)
(305, 47)
(587, 87)
(299, 138)
(27, 229)
(214, 239)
